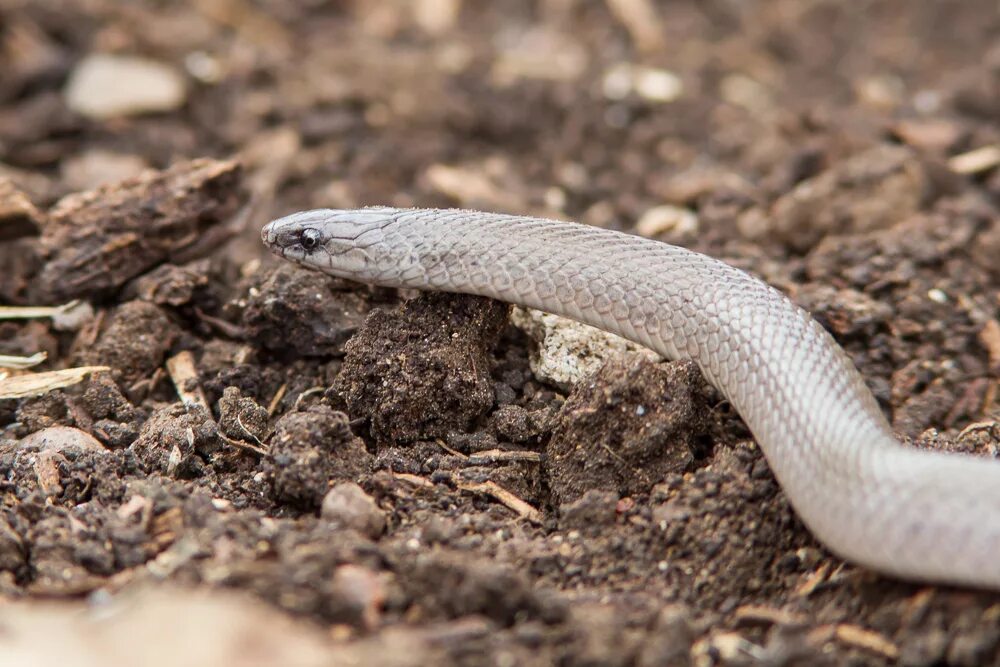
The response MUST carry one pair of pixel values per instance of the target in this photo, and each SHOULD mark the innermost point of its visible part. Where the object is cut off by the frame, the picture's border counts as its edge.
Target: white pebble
(667, 218)
(108, 86)
(937, 296)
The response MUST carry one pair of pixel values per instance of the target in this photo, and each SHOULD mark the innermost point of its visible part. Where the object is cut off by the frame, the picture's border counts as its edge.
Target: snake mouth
(269, 236)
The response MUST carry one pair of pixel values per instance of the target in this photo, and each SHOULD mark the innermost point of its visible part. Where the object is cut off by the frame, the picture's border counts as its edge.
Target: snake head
(337, 242)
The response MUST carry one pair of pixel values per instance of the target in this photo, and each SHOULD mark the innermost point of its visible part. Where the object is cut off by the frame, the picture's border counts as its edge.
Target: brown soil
(390, 471)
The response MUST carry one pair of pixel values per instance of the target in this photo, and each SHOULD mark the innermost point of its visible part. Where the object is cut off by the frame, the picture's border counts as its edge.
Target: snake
(913, 514)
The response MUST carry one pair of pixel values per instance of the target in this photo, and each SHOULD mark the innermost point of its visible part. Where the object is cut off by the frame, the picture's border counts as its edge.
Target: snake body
(914, 514)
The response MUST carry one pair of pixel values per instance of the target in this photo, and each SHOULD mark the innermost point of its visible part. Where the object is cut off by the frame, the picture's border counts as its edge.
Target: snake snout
(268, 235)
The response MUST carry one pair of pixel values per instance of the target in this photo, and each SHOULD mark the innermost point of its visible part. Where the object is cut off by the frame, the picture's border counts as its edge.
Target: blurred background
(688, 116)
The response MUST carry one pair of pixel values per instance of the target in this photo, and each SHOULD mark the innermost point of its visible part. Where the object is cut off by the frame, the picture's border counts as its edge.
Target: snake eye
(310, 239)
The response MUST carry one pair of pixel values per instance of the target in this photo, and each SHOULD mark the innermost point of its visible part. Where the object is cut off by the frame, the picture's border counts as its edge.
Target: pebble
(660, 219)
(568, 351)
(104, 86)
(649, 83)
(348, 505)
(61, 439)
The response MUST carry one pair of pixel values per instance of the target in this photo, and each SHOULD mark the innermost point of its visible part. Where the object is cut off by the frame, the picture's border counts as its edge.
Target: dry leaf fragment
(36, 384)
(21, 363)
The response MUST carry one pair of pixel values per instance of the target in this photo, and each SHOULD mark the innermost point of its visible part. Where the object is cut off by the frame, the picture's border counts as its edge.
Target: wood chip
(975, 161)
(869, 640)
(915, 607)
(503, 456)
(47, 472)
(990, 427)
(755, 613)
(416, 480)
(506, 498)
(36, 312)
(454, 452)
(272, 407)
(813, 581)
(257, 449)
(36, 384)
(94, 242)
(185, 378)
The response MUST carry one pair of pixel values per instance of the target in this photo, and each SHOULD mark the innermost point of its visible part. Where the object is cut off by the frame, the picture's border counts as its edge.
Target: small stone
(933, 134)
(649, 83)
(109, 86)
(61, 439)
(881, 91)
(667, 219)
(658, 85)
(347, 505)
(567, 350)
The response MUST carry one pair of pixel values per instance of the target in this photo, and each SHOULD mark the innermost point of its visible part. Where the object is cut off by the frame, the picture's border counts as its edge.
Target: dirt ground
(359, 477)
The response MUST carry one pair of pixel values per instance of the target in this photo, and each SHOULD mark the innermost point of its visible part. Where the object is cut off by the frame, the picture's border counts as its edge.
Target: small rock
(567, 350)
(347, 505)
(932, 134)
(61, 439)
(109, 86)
(649, 83)
(73, 316)
(674, 220)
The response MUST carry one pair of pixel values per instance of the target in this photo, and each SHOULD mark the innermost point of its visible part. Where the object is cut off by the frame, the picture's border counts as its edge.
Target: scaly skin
(913, 514)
